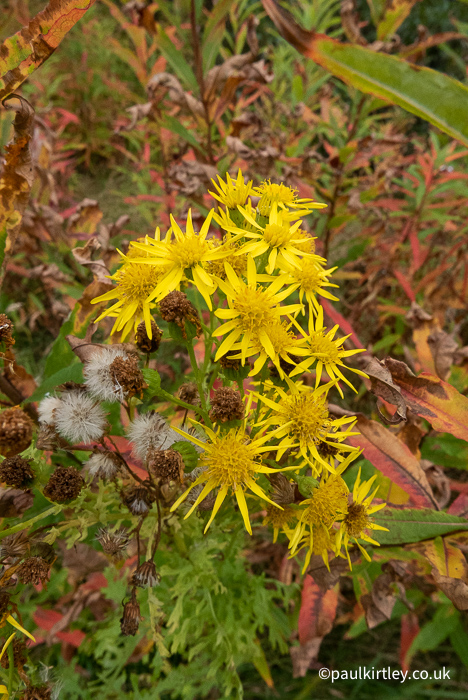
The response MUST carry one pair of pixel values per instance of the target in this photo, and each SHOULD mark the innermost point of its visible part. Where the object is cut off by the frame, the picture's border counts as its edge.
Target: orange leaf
(433, 399)
(318, 611)
(409, 631)
(446, 558)
(394, 459)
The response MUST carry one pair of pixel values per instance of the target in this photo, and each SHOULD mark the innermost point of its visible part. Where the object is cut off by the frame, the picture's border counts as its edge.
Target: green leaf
(413, 525)
(178, 128)
(177, 61)
(214, 33)
(433, 96)
(188, 452)
(445, 621)
(61, 355)
(459, 641)
(72, 373)
(153, 380)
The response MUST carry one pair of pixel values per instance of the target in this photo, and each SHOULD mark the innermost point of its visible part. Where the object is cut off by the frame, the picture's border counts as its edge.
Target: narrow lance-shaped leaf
(414, 525)
(26, 50)
(433, 96)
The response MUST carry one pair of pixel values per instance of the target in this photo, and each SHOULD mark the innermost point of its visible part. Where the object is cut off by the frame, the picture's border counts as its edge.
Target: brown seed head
(144, 343)
(37, 692)
(138, 499)
(226, 404)
(16, 471)
(64, 485)
(19, 654)
(14, 546)
(283, 490)
(188, 392)
(146, 575)
(16, 430)
(130, 620)
(6, 330)
(4, 602)
(126, 374)
(113, 543)
(166, 465)
(33, 570)
(326, 450)
(176, 308)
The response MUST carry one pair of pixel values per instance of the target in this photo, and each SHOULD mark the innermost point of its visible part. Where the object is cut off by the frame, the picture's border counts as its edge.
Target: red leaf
(345, 325)
(409, 630)
(75, 637)
(318, 611)
(460, 505)
(46, 619)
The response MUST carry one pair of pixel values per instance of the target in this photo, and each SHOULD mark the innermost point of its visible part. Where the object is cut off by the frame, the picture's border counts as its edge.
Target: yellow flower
(329, 501)
(237, 262)
(135, 282)
(311, 279)
(232, 463)
(232, 192)
(303, 420)
(186, 255)
(357, 519)
(283, 342)
(327, 352)
(285, 197)
(279, 519)
(253, 309)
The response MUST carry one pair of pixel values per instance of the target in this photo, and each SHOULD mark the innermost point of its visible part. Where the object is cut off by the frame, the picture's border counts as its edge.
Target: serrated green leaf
(188, 452)
(153, 380)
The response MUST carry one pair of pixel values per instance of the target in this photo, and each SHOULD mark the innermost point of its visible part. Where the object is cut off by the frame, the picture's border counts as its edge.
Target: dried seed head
(16, 430)
(150, 431)
(283, 491)
(37, 692)
(138, 499)
(226, 363)
(188, 392)
(226, 404)
(48, 439)
(104, 465)
(80, 419)
(166, 465)
(33, 570)
(48, 409)
(64, 485)
(127, 375)
(146, 575)
(6, 330)
(143, 342)
(113, 543)
(16, 471)
(176, 308)
(14, 546)
(19, 654)
(130, 620)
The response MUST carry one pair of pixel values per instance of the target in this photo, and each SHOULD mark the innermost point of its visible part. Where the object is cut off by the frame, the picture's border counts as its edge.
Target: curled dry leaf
(17, 176)
(327, 578)
(379, 603)
(26, 50)
(84, 256)
(454, 588)
(443, 348)
(84, 350)
(176, 92)
(14, 502)
(431, 398)
(439, 482)
(382, 385)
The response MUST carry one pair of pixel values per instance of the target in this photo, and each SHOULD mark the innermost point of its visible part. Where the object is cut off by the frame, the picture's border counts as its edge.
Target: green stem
(24, 526)
(198, 375)
(169, 397)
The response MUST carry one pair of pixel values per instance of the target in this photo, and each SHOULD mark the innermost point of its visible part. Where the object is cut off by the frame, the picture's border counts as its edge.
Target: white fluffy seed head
(150, 432)
(80, 419)
(103, 465)
(48, 409)
(98, 378)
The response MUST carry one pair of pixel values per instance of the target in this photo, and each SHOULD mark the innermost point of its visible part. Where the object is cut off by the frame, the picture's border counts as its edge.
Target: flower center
(271, 192)
(230, 460)
(255, 308)
(310, 276)
(356, 520)
(328, 500)
(237, 262)
(188, 252)
(279, 518)
(276, 235)
(279, 336)
(309, 416)
(136, 281)
(319, 343)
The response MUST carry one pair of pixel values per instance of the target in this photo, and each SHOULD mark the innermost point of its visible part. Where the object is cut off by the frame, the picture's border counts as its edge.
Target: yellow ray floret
(284, 197)
(312, 280)
(232, 192)
(232, 463)
(184, 256)
(302, 417)
(252, 311)
(326, 351)
(357, 519)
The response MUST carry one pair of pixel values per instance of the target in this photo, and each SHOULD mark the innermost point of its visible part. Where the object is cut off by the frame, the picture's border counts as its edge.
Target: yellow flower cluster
(262, 281)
